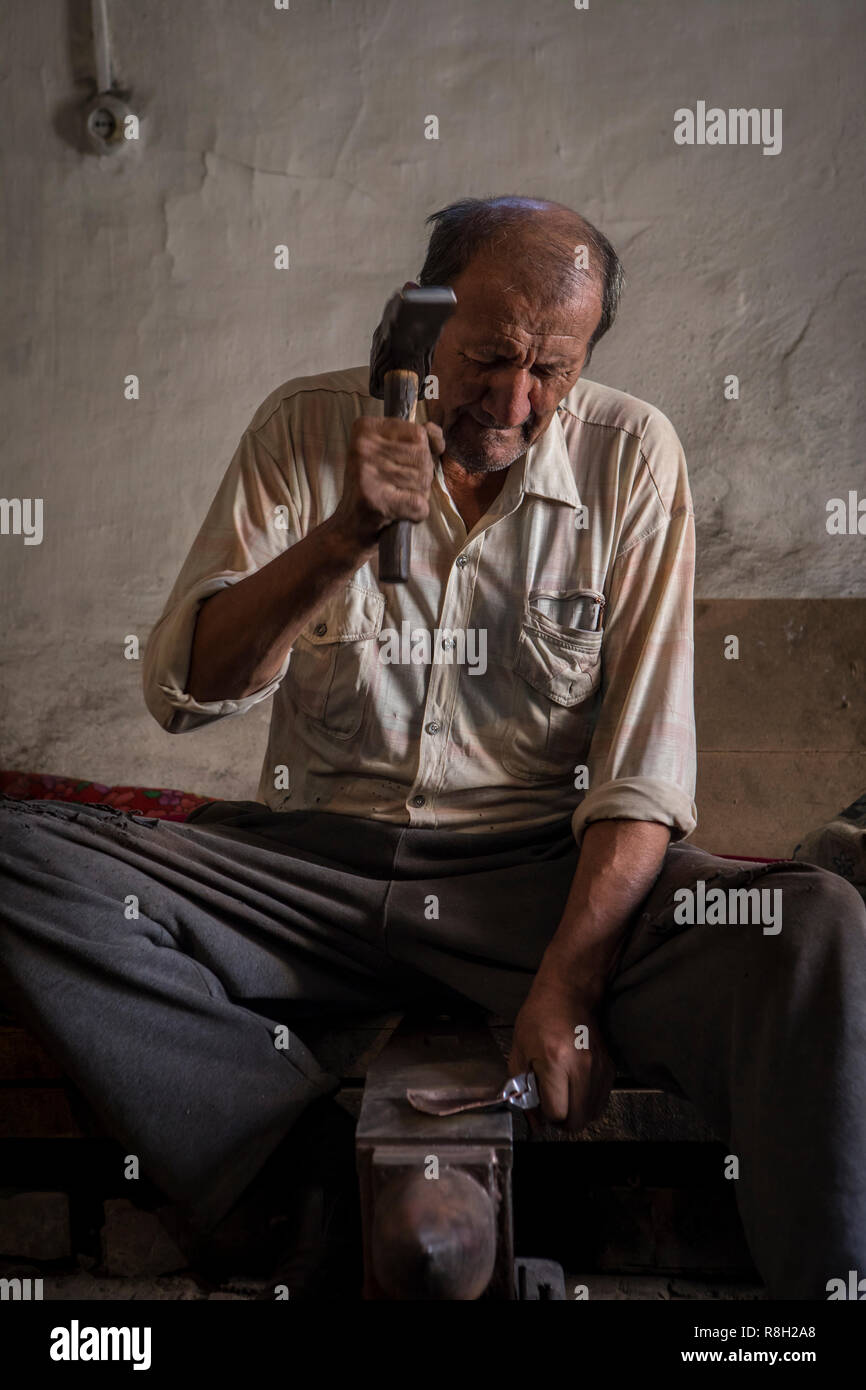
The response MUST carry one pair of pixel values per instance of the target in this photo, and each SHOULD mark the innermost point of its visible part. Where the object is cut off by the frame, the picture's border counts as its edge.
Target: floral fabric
(161, 802)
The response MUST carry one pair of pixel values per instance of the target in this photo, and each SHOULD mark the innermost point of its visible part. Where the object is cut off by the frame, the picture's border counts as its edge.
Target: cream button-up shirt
(537, 667)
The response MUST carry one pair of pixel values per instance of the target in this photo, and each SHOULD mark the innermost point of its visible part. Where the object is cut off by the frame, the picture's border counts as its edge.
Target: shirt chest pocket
(557, 676)
(330, 667)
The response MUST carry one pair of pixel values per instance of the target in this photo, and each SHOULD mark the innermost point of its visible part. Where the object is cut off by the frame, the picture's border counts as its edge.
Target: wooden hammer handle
(395, 542)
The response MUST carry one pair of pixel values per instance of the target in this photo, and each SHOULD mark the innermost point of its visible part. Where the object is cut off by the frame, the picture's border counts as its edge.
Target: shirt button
(320, 629)
(433, 727)
(417, 801)
(448, 643)
(462, 560)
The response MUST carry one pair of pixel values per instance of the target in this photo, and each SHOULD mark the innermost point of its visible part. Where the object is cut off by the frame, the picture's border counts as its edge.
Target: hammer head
(407, 334)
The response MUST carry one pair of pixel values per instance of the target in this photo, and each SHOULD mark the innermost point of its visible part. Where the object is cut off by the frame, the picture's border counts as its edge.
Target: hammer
(401, 354)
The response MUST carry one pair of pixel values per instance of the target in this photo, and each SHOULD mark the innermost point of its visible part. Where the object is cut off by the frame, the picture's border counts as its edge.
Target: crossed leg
(144, 954)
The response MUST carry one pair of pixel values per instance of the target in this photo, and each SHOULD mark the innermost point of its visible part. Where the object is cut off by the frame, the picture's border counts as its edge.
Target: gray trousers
(155, 959)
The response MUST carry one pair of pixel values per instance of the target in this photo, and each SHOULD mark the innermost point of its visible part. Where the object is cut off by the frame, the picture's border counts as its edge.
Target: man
(476, 784)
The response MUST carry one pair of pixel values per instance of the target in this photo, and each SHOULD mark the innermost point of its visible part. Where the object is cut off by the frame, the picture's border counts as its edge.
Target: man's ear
(411, 285)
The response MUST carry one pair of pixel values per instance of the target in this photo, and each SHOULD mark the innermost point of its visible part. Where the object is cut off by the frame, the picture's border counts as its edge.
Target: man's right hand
(244, 631)
(389, 472)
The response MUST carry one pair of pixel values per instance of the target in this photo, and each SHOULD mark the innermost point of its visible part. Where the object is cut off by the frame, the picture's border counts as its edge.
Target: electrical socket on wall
(105, 120)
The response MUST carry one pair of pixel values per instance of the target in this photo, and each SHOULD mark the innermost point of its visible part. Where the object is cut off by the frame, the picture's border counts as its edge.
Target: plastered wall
(306, 127)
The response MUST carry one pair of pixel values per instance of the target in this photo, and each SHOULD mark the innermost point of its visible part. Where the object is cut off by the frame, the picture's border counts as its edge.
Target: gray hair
(464, 228)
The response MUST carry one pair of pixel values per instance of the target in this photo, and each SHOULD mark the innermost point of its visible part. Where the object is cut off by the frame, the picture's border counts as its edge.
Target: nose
(507, 399)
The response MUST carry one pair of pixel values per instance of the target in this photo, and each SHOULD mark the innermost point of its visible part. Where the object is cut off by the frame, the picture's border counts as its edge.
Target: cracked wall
(307, 127)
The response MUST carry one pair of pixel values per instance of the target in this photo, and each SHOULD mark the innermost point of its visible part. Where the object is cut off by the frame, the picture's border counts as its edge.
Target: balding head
(543, 248)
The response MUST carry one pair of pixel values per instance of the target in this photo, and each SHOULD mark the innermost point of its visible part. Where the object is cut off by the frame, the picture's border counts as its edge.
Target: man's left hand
(557, 1035)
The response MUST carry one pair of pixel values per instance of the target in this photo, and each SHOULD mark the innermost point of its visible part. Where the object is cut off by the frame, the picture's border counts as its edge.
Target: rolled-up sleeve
(253, 518)
(642, 758)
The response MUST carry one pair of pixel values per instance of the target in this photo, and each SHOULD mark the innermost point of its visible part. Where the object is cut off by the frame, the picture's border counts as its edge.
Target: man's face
(503, 364)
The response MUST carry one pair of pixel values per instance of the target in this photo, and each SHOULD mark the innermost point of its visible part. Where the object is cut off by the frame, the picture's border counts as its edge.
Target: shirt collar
(547, 468)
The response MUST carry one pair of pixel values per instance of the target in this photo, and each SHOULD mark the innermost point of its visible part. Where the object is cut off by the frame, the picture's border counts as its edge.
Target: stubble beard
(460, 447)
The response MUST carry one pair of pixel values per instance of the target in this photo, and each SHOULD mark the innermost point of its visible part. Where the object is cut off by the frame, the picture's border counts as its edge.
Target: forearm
(618, 865)
(244, 632)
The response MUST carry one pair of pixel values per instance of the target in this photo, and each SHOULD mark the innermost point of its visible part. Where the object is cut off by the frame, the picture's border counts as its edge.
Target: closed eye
(539, 369)
(482, 362)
